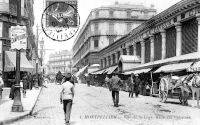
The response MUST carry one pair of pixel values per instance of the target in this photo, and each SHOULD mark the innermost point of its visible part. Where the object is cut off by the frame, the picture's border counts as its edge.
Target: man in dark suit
(115, 83)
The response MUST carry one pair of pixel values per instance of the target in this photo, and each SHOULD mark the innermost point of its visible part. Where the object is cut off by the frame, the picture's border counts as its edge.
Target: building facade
(60, 61)
(170, 35)
(105, 25)
(8, 18)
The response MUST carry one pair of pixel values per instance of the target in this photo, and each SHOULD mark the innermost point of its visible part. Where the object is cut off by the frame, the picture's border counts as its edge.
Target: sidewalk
(7, 116)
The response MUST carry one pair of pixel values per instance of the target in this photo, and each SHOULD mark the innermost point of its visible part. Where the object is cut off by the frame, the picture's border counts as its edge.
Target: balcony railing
(111, 33)
(12, 9)
(95, 33)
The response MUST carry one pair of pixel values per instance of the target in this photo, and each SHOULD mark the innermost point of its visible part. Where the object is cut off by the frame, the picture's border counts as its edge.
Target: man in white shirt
(66, 97)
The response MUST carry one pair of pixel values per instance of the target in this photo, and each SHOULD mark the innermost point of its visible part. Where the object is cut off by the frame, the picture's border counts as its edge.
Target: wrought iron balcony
(111, 33)
(96, 33)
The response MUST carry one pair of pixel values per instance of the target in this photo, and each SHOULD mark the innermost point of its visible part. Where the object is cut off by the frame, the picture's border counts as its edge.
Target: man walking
(107, 80)
(137, 84)
(115, 83)
(66, 97)
(130, 85)
(88, 79)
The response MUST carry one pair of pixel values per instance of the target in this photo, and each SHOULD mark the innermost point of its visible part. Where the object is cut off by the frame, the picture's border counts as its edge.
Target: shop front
(9, 67)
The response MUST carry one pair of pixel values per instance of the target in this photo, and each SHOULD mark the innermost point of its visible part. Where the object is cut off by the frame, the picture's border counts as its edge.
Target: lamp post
(17, 104)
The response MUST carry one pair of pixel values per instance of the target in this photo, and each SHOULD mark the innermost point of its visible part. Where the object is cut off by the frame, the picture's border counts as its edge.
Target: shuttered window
(170, 42)
(147, 50)
(157, 46)
(138, 49)
(189, 36)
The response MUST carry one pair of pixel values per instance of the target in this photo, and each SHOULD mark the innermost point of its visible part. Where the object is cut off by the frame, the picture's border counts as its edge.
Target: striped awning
(10, 62)
(195, 67)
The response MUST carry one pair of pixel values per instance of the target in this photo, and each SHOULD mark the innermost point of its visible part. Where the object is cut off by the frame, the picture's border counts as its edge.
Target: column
(127, 50)
(107, 58)
(198, 20)
(121, 52)
(163, 34)
(111, 59)
(142, 51)
(178, 39)
(104, 63)
(134, 49)
(152, 48)
(116, 57)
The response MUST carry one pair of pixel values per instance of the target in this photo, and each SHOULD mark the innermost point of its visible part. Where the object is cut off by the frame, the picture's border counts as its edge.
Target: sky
(84, 8)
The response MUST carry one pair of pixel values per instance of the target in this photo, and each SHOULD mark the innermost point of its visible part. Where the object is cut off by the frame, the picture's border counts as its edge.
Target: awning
(10, 62)
(195, 67)
(81, 70)
(142, 71)
(99, 72)
(138, 71)
(174, 67)
(112, 69)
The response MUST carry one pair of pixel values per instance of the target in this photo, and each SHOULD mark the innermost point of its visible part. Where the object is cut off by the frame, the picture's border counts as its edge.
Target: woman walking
(25, 84)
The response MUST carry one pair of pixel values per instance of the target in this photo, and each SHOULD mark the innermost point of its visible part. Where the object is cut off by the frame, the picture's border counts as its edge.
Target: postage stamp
(60, 20)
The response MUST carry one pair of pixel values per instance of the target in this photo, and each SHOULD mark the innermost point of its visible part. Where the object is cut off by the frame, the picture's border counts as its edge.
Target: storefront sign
(18, 37)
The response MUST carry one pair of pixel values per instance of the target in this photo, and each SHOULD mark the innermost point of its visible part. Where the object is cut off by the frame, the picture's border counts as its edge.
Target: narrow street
(93, 106)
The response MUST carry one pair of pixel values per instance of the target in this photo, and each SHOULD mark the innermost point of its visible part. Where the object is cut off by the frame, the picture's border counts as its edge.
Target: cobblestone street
(93, 106)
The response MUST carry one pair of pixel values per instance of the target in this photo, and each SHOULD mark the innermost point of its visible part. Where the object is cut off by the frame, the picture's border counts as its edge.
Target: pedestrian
(30, 78)
(1, 86)
(12, 93)
(46, 82)
(88, 79)
(35, 80)
(136, 86)
(107, 81)
(25, 84)
(115, 83)
(66, 97)
(131, 85)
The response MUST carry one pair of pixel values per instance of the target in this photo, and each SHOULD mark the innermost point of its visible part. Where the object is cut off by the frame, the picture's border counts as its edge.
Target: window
(111, 40)
(111, 27)
(96, 43)
(96, 27)
(111, 13)
(97, 14)
(129, 27)
(128, 14)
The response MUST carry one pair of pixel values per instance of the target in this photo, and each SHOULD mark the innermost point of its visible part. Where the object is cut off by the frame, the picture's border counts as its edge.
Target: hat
(136, 75)
(68, 76)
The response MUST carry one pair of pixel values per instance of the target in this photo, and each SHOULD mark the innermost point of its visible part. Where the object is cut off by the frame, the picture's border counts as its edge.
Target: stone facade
(60, 61)
(173, 32)
(8, 18)
(105, 25)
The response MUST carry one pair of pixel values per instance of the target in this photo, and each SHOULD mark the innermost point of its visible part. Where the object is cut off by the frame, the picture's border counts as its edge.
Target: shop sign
(18, 37)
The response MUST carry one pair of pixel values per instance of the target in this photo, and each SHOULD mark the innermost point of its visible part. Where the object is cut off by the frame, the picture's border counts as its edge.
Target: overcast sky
(84, 8)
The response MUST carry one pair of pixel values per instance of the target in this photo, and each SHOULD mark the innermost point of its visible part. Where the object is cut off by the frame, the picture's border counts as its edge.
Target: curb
(7, 121)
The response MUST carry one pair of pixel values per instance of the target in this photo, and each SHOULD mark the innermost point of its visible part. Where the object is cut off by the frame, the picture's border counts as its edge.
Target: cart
(170, 86)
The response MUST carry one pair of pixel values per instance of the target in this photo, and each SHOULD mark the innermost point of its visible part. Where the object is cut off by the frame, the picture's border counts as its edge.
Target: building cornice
(158, 23)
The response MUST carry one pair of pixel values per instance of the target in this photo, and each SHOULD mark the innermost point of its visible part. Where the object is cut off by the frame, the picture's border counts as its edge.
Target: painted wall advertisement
(18, 37)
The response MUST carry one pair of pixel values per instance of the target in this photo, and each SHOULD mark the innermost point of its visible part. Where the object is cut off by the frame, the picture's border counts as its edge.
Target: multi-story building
(105, 25)
(8, 18)
(172, 36)
(60, 61)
